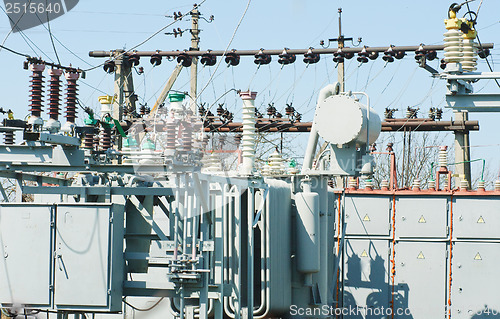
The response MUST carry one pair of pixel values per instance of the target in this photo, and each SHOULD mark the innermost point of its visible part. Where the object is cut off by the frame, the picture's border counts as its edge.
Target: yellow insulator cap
(471, 34)
(106, 99)
(452, 23)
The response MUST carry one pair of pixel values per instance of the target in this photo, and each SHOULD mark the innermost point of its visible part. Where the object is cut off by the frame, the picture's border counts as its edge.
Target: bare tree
(416, 155)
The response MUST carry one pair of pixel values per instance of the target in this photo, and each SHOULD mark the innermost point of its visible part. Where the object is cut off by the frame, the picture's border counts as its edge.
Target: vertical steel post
(462, 151)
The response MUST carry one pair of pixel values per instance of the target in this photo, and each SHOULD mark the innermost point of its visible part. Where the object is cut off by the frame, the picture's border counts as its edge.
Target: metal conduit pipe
(185, 214)
(176, 219)
(230, 275)
(329, 90)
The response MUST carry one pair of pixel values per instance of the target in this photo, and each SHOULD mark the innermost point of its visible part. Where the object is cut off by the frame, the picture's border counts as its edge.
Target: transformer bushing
(71, 99)
(276, 163)
(36, 94)
(53, 124)
(172, 124)
(248, 140)
(443, 159)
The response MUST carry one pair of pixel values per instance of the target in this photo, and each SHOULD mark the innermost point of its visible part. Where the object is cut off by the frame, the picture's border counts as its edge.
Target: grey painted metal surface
(422, 217)
(366, 282)
(87, 248)
(83, 257)
(475, 285)
(64, 256)
(420, 280)
(476, 218)
(367, 215)
(26, 241)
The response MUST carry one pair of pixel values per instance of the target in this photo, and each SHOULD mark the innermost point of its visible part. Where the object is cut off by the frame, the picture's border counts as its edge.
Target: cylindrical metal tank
(340, 120)
(307, 232)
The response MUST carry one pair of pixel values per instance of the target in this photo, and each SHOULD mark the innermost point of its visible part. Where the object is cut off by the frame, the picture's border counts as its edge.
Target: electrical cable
(95, 88)
(477, 36)
(15, 24)
(373, 79)
(50, 34)
(225, 51)
(62, 44)
(26, 38)
(367, 78)
(253, 77)
(150, 37)
(404, 88)
(15, 52)
(143, 309)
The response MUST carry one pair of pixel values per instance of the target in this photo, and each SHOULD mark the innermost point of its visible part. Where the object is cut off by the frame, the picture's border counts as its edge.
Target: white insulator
(266, 170)
(443, 157)
(453, 46)
(292, 170)
(353, 183)
(470, 55)
(384, 183)
(481, 185)
(431, 184)
(212, 163)
(416, 184)
(464, 184)
(497, 185)
(276, 163)
(248, 140)
(369, 184)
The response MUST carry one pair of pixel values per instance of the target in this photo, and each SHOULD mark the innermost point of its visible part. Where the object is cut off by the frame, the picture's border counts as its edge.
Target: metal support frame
(104, 54)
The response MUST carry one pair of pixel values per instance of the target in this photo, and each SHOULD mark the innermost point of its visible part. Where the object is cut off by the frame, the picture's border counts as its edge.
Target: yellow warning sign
(480, 220)
(364, 254)
(422, 219)
(478, 257)
(421, 256)
(366, 218)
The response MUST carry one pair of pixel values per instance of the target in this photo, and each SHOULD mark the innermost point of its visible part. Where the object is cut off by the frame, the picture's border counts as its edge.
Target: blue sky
(104, 25)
